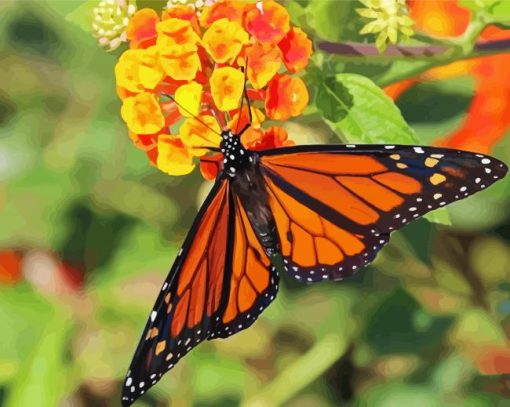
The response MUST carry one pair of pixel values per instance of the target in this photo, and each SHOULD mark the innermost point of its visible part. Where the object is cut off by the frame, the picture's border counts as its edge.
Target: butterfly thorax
(235, 156)
(242, 167)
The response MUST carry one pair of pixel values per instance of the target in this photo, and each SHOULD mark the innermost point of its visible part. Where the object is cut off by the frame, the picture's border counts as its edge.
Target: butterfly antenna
(194, 116)
(245, 95)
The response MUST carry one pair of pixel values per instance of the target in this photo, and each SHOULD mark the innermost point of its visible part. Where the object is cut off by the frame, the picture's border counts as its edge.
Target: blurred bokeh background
(88, 231)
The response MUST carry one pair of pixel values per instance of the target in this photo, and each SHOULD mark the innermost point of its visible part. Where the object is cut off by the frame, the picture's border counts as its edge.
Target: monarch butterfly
(326, 210)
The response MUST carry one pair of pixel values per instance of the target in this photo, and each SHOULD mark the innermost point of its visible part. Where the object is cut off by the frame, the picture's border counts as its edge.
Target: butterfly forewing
(190, 300)
(335, 206)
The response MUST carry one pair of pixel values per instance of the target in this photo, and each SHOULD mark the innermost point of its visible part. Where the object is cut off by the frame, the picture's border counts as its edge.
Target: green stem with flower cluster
(438, 52)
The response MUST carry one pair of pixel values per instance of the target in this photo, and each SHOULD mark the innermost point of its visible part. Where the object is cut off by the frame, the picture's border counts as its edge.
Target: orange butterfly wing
(191, 298)
(220, 282)
(254, 280)
(334, 206)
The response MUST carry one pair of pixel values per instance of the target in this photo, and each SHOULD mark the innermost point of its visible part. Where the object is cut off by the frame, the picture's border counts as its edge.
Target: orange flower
(273, 137)
(148, 143)
(10, 267)
(210, 166)
(184, 65)
(494, 360)
(233, 10)
(200, 131)
(286, 97)
(227, 86)
(174, 157)
(268, 21)
(224, 40)
(141, 28)
(239, 121)
(296, 49)
(142, 114)
(264, 61)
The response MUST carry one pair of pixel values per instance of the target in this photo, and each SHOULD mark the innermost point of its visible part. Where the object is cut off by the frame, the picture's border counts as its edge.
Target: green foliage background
(409, 329)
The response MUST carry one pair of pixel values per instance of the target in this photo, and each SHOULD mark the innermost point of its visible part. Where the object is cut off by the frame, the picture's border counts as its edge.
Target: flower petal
(174, 157)
(232, 10)
(286, 97)
(181, 68)
(268, 21)
(200, 131)
(139, 69)
(176, 37)
(182, 12)
(224, 40)
(210, 166)
(126, 71)
(296, 49)
(141, 28)
(264, 61)
(227, 85)
(239, 121)
(273, 137)
(142, 113)
(188, 98)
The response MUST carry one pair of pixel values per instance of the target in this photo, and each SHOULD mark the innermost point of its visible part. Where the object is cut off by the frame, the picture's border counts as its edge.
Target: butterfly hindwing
(254, 280)
(191, 299)
(314, 248)
(334, 206)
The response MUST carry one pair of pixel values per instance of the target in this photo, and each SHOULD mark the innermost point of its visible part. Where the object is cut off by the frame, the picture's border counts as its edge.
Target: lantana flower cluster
(184, 76)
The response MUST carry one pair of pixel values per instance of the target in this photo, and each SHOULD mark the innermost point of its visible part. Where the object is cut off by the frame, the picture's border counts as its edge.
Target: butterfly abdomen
(248, 186)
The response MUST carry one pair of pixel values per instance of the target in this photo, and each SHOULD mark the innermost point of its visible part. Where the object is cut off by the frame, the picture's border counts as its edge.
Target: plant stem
(353, 50)
(301, 373)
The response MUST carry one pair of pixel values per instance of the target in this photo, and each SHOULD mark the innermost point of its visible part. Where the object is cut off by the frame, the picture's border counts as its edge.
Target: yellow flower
(227, 86)
(174, 157)
(224, 40)
(200, 131)
(181, 68)
(139, 69)
(142, 114)
(389, 18)
(188, 99)
(176, 37)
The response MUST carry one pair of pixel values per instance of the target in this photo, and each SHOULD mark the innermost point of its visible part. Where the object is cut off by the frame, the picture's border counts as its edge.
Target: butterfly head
(235, 156)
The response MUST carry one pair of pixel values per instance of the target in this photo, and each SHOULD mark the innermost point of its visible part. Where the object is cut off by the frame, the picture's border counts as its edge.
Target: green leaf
(20, 311)
(399, 325)
(82, 16)
(440, 216)
(43, 378)
(476, 5)
(494, 11)
(361, 112)
(319, 18)
(500, 12)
